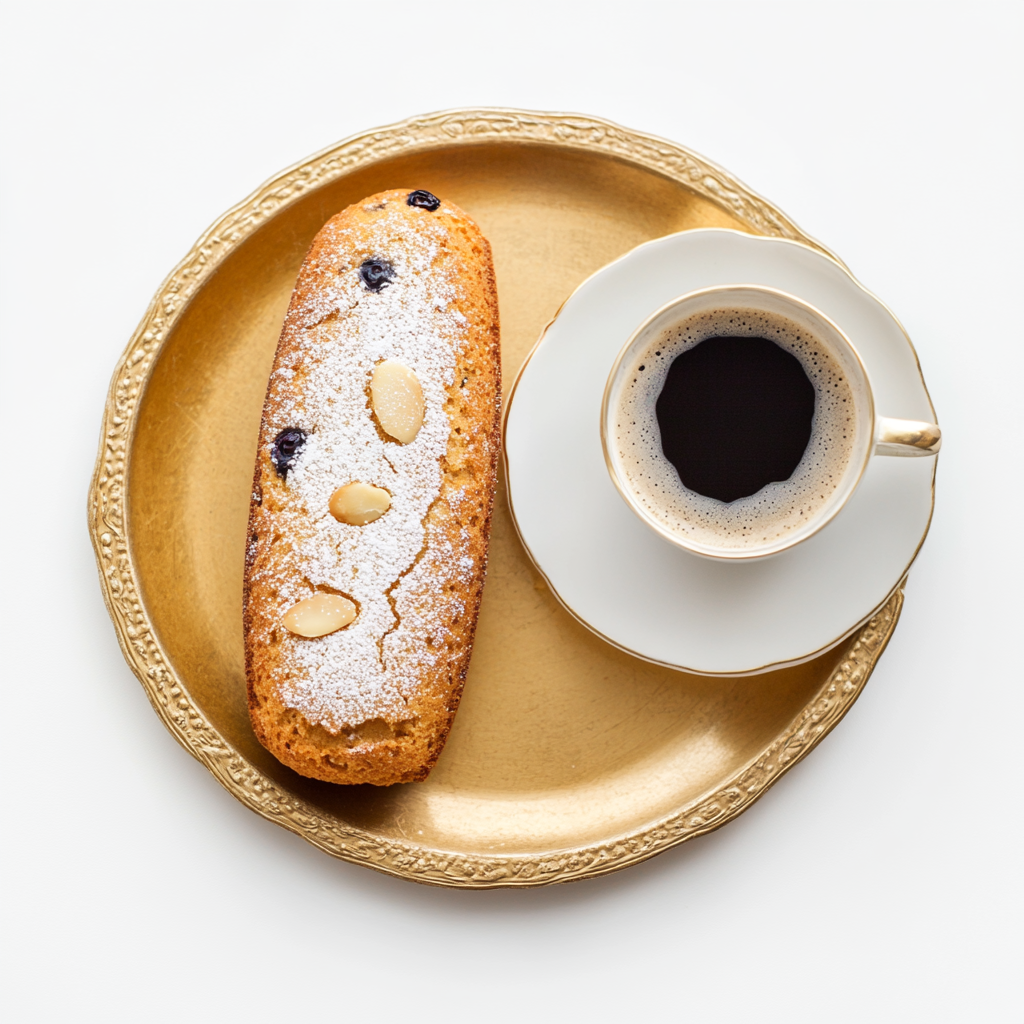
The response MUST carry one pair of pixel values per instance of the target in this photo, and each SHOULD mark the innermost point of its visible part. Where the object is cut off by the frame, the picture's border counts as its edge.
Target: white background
(880, 880)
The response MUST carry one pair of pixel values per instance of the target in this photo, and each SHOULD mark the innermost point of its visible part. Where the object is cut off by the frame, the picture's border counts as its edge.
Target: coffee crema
(734, 427)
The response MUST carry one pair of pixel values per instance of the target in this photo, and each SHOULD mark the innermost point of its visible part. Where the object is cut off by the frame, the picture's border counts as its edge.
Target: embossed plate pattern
(568, 758)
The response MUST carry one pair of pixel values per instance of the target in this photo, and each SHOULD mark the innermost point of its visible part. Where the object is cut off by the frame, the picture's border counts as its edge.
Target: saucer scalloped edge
(634, 588)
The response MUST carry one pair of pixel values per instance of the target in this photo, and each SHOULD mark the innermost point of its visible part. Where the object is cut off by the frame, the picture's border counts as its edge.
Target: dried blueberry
(423, 199)
(377, 274)
(285, 449)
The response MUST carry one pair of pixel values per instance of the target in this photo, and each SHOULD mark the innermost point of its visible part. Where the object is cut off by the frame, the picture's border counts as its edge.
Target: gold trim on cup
(705, 550)
(904, 438)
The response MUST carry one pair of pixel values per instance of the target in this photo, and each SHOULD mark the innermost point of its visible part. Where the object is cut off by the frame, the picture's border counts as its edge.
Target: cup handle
(907, 437)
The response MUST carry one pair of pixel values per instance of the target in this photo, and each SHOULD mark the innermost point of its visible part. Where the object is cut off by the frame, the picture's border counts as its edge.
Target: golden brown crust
(424, 651)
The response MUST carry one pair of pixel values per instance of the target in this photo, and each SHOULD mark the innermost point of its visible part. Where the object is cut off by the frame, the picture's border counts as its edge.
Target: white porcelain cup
(705, 527)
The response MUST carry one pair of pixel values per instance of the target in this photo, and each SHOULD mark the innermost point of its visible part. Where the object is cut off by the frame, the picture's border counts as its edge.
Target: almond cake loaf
(372, 496)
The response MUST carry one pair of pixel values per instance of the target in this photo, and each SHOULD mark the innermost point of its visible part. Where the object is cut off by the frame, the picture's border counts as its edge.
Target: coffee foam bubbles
(780, 509)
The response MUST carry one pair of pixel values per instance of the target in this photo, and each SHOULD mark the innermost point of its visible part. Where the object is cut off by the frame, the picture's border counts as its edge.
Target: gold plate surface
(568, 758)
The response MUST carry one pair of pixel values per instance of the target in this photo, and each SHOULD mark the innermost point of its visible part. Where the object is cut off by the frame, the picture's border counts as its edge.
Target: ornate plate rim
(167, 693)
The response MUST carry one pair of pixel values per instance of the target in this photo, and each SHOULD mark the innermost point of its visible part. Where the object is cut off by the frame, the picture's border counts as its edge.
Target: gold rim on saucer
(568, 759)
(925, 436)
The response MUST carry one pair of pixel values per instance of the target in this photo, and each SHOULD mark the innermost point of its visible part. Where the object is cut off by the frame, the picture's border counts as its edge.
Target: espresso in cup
(738, 420)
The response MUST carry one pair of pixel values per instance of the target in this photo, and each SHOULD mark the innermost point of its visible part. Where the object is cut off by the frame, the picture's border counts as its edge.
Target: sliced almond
(397, 400)
(358, 504)
(319, 615)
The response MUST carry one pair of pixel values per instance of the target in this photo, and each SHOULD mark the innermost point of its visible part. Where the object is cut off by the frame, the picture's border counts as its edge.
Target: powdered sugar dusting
(366, 670)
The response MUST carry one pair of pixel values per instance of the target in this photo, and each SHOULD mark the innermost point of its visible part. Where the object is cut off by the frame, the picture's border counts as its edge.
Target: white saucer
(648, 596)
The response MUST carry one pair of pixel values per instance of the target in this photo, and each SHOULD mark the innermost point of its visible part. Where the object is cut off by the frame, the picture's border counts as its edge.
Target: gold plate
(568, 758)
